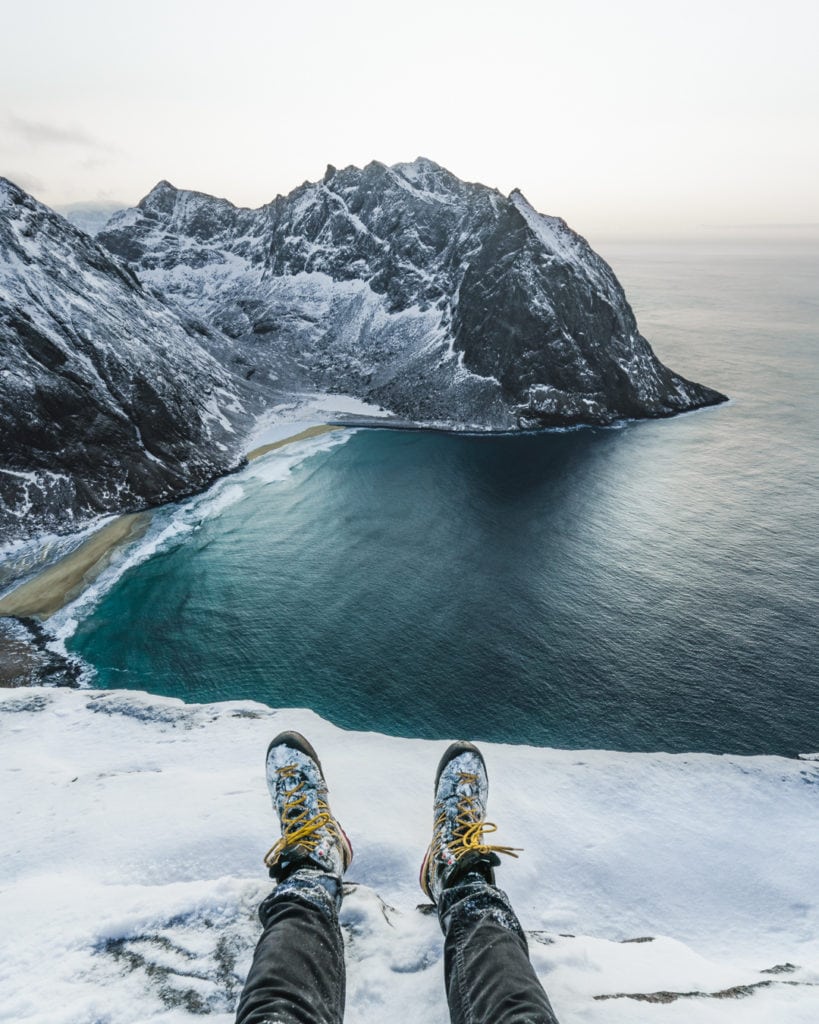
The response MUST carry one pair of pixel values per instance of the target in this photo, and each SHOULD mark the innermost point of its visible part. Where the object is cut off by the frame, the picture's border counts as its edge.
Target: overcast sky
(624, 117)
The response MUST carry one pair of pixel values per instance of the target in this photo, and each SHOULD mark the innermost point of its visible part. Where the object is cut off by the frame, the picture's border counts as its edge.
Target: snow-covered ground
(309, 410)
(131, 865)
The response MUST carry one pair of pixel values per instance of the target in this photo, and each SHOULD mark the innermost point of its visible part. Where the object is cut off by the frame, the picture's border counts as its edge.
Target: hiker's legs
(489, 979)
(297, 976)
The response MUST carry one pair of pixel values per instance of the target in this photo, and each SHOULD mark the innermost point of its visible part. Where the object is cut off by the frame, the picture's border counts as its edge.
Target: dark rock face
(108, 401)
(441, 300)
(26, 659)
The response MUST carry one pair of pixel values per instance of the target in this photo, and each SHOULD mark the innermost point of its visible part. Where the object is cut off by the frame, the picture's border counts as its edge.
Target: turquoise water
(643, 588)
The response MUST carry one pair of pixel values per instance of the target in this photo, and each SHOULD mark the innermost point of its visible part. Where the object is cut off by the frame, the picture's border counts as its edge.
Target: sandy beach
(321, 428)
(63, 581)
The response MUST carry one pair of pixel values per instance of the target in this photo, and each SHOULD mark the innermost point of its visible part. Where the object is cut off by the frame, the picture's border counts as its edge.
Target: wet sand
(322, 428)
(60, 583)
(67, 578)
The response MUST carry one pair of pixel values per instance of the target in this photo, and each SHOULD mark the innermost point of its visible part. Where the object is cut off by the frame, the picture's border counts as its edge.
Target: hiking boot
(311, 836)
(459, 824)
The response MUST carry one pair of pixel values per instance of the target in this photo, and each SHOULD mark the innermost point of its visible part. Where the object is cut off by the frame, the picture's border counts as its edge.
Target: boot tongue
(297, 858)
(474, 867)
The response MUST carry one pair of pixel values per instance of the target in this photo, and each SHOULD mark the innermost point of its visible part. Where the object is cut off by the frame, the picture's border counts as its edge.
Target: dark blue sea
(650, 587)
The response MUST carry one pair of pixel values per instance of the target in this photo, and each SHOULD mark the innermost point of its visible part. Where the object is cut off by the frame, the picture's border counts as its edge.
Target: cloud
(38, 133)
(91, 163)
(28, 182)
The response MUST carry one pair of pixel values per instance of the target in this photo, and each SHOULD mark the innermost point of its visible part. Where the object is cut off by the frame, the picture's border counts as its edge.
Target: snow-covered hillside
(108, 399)
(441, 300)
(654, 888)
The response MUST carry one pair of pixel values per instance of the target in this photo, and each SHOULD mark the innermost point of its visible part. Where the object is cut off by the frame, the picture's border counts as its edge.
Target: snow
(304, 411)
(211, 411)
(131, 865)
(346, 405)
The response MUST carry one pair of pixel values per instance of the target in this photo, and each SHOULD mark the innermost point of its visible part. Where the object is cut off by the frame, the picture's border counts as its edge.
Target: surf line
(64, 580)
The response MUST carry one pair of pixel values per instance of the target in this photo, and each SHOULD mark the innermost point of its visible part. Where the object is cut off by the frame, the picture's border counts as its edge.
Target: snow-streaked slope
(441, 300)
(130, 868)
(107, 398)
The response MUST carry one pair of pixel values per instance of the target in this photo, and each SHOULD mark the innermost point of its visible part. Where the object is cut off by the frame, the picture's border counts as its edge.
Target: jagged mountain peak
(439, 299)
(164, 197)
(28, 228)
(424, 176)
(162, 193)
(553, 232)
(13, 195)
(422, 170)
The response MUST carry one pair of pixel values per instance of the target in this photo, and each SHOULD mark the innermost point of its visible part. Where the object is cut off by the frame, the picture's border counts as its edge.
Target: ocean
(653, 586)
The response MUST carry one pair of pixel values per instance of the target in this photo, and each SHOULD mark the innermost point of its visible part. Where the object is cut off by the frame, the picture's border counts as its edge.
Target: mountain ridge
(524, 326)
(134, 361)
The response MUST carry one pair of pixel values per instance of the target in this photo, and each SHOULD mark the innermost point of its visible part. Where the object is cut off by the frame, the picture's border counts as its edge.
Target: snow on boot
(311, 836)
(459, 823)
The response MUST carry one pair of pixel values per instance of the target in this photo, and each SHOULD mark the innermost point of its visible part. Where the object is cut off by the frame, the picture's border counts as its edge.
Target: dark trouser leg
(297, 975)
(489, 979)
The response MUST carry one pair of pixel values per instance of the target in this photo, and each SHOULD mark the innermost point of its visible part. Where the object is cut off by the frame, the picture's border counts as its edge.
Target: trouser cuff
(318, 888)
(474, 898)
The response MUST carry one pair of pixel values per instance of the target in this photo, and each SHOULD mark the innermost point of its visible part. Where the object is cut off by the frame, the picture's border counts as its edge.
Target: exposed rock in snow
(441, 300)
(108, 400)
(28, 657)
(653, 887)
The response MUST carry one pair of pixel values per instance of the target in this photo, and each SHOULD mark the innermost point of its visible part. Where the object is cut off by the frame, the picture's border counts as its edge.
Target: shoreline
(63, 581)
(57, 584)
(303, 435)
(60, 583)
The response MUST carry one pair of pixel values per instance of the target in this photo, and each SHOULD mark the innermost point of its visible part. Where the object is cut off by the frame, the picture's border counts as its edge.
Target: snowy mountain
(443, 301)
(108, 398)
(130, 361)
(89, 217)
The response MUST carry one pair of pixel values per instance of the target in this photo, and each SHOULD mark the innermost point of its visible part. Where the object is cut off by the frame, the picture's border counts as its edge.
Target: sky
(634, 117)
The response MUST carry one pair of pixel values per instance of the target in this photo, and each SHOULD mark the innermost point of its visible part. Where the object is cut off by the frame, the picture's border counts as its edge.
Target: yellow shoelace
(297, 828)
(469, 830)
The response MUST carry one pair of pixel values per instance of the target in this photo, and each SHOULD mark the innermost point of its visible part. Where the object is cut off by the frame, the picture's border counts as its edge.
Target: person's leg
(489, 978)
(297, 975)
(486, 960)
